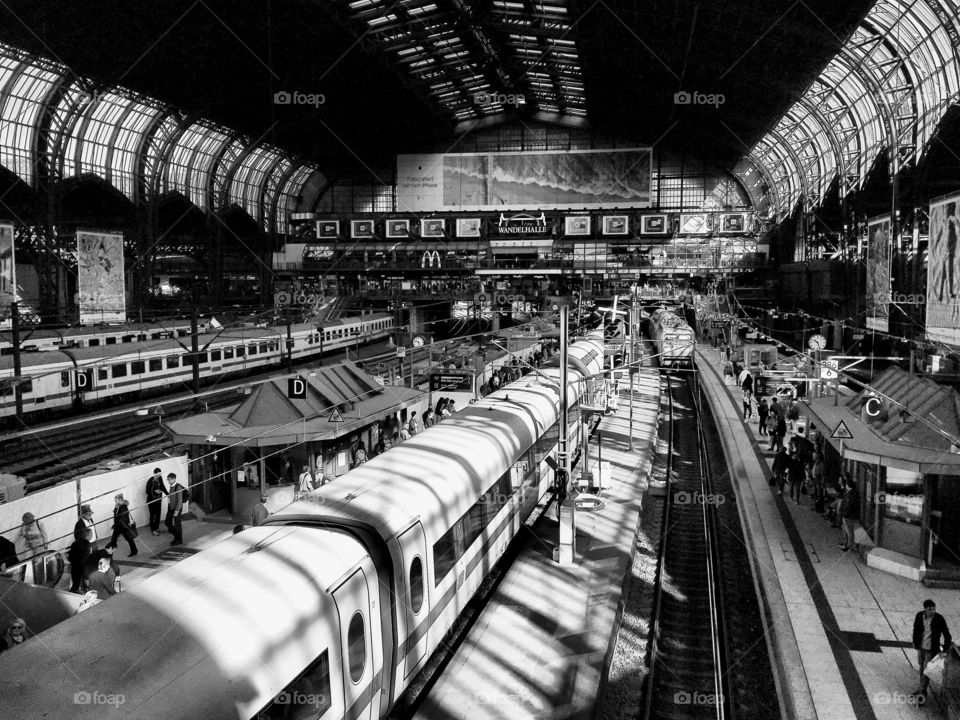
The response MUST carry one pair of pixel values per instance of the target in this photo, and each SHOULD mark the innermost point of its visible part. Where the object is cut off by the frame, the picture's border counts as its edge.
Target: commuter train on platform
(91, 374)
(673, 338)
(331, 608)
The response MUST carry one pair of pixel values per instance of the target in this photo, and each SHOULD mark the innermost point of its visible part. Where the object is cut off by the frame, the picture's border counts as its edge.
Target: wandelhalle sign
(520, 225)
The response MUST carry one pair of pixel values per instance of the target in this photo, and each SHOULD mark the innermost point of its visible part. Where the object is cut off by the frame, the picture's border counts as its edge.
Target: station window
(311, 688)
(137, 367)
(156, 365)
(102, 374)
(356, 647)
(119, 370)
(416, 584)
(215, 355)
(173, 361)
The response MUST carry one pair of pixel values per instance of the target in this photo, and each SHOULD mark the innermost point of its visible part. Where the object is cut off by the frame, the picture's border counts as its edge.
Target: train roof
(195, 640)
(440, 472)
(37, 359)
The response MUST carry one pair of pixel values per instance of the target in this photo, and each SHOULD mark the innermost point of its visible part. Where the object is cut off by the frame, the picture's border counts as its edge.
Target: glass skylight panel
(19, 113)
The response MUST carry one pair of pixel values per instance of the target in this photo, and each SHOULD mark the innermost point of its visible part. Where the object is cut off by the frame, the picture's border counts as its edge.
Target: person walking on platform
(78, 555)
(930, 638)
(796, 474)
(762, 412)
(779, 431)
(155, 492)
(174, 520)
(850, 512)
(123, 524)
(781, 464)
(747, 405)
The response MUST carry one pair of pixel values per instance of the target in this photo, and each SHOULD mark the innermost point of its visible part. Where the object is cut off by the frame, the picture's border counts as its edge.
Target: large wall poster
(943, 272)
(525, 180)
(8, 274)
(100, 277)
(878, 273)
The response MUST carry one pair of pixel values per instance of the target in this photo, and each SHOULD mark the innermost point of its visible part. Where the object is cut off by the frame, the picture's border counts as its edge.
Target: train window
(94, 342)
(128, 338)
(27, 385)
(444, 555)
(228, 353)
(173, 361)
(356, 646)
(64, 379)
(155, 336)
(240, 350)
(119, 370)
(101, 373)
(215, 355)
(306, 697)
(156, 365)
(264, 347)
(137, 367)
(416, 584)
(110, 341)
(253, 350)
(203, 357)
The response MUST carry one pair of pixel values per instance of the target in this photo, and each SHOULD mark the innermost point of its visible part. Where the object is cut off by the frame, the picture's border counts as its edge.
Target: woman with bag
(123, 524)
(33, 535)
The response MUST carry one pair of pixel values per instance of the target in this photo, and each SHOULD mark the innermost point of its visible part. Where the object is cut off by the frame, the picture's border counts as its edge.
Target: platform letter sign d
(297, 388)
(82, 380)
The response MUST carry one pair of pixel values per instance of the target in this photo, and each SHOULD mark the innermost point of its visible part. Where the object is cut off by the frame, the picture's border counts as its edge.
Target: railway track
(707, 656)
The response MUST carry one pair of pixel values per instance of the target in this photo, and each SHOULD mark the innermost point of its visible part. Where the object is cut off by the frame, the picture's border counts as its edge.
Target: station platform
(540, 646)
(839, 632)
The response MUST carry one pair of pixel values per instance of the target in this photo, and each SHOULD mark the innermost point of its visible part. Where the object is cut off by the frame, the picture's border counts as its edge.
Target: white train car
(51, 339)
(331, 608)
(674, 339)
(82, 375)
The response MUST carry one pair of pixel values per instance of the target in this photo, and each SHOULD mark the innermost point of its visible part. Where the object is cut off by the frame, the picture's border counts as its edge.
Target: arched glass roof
(66, 126)
(887, 89)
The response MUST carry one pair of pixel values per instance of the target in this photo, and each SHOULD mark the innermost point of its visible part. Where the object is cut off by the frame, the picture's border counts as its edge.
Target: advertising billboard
(8, 274)
(100, 277)
(878, 273)
(522, 180)
(943, 272)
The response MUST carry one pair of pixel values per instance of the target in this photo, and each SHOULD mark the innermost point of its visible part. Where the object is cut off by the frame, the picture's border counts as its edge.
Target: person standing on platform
(78, 555)
(155, 492)
(781, 463)
(174, 520)
(414, 425)
(851, 513)
(779, 431)
(260, 512)
(305, 482)
(762, 412)
(85, 523)
(930, 638)
(747, 405)
(122, 523)
(796, 474)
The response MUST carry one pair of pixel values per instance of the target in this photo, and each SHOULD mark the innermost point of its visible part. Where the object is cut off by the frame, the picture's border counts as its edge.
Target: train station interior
(329, 280)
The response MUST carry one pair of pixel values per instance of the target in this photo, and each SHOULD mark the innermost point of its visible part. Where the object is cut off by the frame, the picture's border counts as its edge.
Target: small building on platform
(895, 438)
(318, 419)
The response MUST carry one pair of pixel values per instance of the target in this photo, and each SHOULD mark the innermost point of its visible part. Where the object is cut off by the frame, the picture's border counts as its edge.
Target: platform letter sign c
(297, 388)
(872, 406)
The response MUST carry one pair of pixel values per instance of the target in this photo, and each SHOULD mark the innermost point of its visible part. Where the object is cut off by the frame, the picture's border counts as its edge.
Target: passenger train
(673, 338)
(86, 375)
(45, 339)
(331, 608)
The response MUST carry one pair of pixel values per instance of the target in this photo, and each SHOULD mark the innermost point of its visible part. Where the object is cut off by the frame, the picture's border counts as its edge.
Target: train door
(416, 603)
(361, 653)
(82, 383)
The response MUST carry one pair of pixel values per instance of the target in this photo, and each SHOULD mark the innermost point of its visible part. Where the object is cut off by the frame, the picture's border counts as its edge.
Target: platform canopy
(337, 400)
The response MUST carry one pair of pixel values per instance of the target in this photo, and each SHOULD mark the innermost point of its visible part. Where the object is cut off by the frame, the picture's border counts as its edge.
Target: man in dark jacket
(851, 513)
(175, 509)
(122, 525)
(930, 638)
(155, 492)
(78, 555)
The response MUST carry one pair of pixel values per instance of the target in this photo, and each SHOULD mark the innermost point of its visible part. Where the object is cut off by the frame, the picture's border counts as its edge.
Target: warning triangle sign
(842, 432)
(335, 416)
